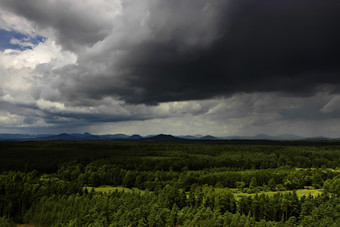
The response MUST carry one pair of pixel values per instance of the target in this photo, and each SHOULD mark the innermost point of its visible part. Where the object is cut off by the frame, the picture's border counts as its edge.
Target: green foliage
(253, 182)
(4, 222)
(168, 184)
(333, 185)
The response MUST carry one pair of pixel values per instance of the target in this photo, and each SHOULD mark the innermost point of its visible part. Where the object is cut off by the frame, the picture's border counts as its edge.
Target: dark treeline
(180, 184)
(48, 156)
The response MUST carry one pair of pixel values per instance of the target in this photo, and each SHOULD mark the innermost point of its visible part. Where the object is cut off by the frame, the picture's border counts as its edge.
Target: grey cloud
(74, 24)
(333, 106)
(54, 118)
(309, 108)
(29, 113)
(30, 120)
(263, 108)
(15, 108)
(214, 49)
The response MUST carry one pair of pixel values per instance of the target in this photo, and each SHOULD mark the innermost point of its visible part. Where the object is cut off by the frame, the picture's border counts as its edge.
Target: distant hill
(114, 136)
(188, 137)
(6, 136)
(319, 138)
(209, 137)
(288, 137)
(62, 136)
(135, 137)
(73, 136)
(163, 137)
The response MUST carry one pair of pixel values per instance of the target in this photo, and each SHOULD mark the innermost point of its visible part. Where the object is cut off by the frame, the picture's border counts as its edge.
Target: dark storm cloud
(194, 49)
(288, 46)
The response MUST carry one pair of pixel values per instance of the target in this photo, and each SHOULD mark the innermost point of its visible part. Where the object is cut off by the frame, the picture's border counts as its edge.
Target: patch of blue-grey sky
(18, 41)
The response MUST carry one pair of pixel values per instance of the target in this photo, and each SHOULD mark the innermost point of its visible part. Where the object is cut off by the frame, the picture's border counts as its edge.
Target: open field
(110, 189)
(299, 193)
(237, 193)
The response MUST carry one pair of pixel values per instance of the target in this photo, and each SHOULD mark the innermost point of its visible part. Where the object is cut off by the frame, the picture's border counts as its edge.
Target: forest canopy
(201, 183)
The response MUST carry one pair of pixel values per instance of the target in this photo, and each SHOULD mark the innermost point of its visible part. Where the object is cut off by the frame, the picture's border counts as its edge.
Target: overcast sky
(218, 67)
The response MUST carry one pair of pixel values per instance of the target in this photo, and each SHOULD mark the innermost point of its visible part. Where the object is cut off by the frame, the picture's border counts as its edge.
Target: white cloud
(11, 22)
(24, 79)
(22, 43)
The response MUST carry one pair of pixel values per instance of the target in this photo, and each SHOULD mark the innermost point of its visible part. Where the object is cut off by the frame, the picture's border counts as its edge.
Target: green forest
(189, 183)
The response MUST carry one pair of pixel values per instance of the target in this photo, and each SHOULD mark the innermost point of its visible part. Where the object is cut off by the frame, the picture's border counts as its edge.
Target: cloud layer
(129, 60)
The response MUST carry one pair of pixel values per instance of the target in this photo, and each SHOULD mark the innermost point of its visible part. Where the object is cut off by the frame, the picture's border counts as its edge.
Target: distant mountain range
(71, 136)
(267, 137)
(160, 137)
